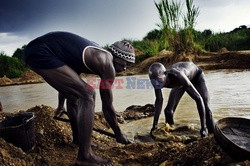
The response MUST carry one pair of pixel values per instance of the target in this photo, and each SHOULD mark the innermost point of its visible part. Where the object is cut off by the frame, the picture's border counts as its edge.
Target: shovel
(95, 129)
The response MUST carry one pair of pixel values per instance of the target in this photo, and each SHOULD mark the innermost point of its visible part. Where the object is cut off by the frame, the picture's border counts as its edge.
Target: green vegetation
(12, 66)
(149, 47)
(177, 28)
(19, 53)
(238, 39)
(176, 33)
(195, 41)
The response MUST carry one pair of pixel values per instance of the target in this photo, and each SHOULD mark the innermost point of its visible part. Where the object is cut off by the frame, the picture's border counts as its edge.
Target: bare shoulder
(105, 62)
(100, 60)
(182, 65)
(99, 54)
(183, 70)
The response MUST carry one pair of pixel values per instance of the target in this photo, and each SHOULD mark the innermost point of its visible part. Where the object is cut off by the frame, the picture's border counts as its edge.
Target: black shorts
(39, 56)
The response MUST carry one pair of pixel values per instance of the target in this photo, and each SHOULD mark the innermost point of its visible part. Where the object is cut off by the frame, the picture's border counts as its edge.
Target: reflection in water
(229, 93)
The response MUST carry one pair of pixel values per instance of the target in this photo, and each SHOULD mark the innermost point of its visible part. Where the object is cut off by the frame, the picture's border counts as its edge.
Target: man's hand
(123, 139)
(203, 132)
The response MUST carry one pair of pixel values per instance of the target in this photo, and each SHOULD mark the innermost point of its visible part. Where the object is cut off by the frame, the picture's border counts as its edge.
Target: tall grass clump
(177, 28)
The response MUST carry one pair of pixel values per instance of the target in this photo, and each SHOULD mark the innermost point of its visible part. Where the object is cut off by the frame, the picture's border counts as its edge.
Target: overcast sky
(104, 21)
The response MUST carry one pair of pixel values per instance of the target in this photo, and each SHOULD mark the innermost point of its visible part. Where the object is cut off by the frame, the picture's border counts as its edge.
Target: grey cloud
(17, 16)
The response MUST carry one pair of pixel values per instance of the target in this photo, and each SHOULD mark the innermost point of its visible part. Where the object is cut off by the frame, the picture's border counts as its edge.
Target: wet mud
(53, 146)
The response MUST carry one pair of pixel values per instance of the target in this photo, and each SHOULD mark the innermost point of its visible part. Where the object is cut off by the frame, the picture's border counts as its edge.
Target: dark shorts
(39, 56)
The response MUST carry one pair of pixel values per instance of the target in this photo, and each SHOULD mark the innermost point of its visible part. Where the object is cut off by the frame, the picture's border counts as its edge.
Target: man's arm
(158, 107)
(108, 109)
(194, 94)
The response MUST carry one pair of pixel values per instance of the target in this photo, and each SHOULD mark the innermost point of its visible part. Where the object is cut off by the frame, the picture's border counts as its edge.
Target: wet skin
(80, 100)
(1, 107)
(179, 77)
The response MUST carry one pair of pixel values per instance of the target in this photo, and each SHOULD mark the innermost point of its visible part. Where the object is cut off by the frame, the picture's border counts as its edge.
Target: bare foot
(76, 144)
(169, 118)
(151, 132)
(94, 160)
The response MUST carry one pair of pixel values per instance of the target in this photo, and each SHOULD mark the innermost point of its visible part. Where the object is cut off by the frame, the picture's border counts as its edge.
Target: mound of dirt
(138, 112)
(30, 75)
(11, 155)
(224, 59)
(47, 130)
(48, 134)
(165, 57)
(223, 50)
(200, 152)
(5, 80)
(234, 60)
(53, 147)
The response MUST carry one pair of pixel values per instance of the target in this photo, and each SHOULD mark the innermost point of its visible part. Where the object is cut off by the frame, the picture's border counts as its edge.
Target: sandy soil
(53, 147)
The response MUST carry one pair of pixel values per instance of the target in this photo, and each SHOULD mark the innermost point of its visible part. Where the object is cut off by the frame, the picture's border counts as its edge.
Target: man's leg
(60, 108)
(72, 106)
(67, 82)
(173, 100)
(201, 87)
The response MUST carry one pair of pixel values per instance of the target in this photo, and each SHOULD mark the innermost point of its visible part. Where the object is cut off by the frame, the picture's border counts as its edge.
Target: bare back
(180, 73)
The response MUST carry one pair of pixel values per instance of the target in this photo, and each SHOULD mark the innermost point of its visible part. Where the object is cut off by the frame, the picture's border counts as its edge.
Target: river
(229, 92)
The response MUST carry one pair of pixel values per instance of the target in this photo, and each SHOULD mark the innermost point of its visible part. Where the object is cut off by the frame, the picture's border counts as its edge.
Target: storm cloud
(18, 16)
(104, 21)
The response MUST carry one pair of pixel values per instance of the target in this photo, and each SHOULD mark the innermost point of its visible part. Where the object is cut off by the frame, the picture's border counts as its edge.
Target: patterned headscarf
(123, 50)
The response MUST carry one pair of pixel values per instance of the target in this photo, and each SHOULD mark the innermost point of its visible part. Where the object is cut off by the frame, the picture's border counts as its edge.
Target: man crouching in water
(59, 57)
(181, 77)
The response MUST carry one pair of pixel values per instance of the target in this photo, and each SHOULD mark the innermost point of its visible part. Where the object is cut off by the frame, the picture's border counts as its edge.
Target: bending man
(181, 77)
(59, 57)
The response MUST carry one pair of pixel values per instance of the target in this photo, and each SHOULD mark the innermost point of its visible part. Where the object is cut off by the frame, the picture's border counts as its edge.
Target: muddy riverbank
(28, 77)
(53, 147)
(207, 61)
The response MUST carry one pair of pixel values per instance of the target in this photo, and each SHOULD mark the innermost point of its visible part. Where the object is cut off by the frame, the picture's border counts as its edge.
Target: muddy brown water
(229, 92)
